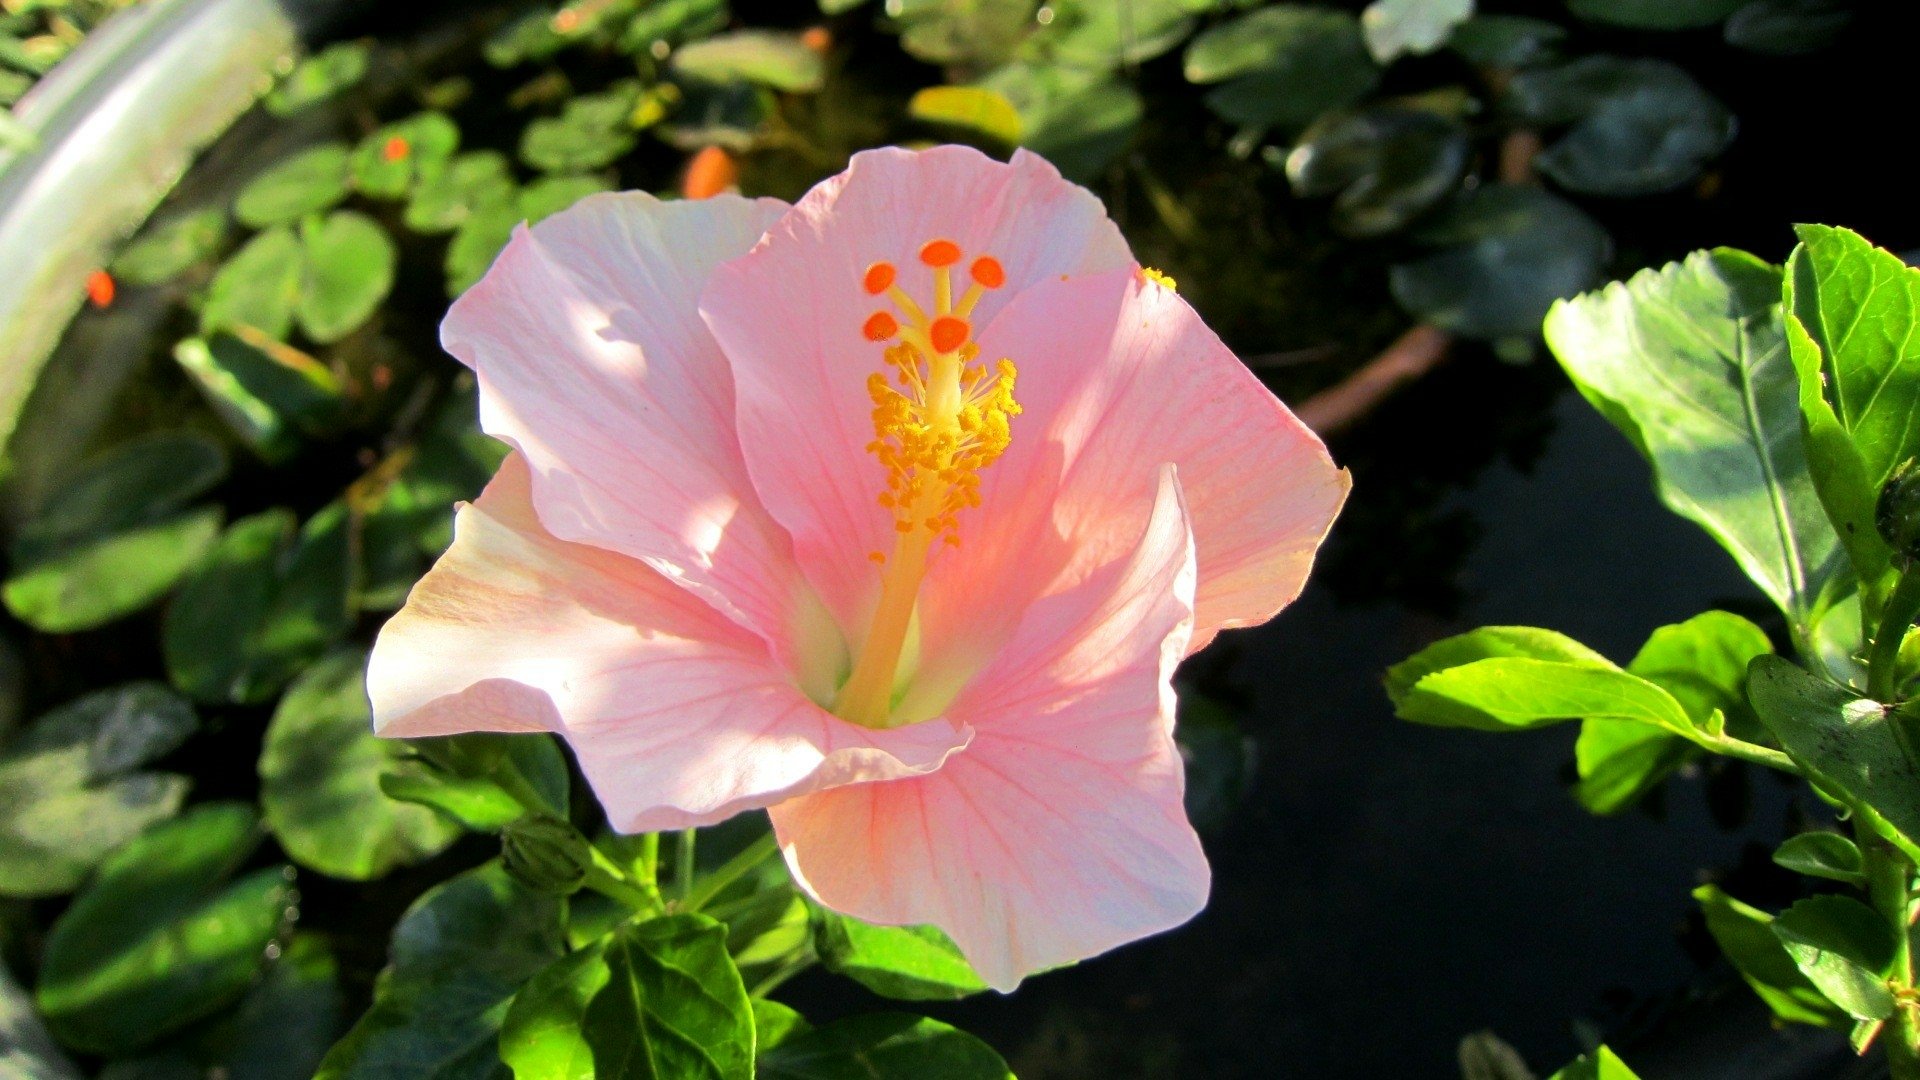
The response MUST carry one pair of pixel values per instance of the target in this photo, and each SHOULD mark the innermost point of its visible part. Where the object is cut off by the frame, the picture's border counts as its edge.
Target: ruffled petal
(1060, 833)
(593, 362)
(678, 716)
(1118, 375)
(789, 316)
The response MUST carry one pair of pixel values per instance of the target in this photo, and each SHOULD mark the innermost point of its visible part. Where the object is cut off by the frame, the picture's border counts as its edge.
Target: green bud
(546, 854)
(1898, 513)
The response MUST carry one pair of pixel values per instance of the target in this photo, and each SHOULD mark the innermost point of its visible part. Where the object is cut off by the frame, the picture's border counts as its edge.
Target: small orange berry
(100, 288)
(395, 149)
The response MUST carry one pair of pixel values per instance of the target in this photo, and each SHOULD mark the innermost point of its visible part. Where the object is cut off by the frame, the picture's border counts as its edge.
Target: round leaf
(168, 249)
(1512, 251)
(257, 286)
(1385, 165)
(320, 77)
(350, 266)
(1655, 14)
(1639, 126)
(769, 57)
(386, 162)
(94, 581)
(451, 193)
(311, 180)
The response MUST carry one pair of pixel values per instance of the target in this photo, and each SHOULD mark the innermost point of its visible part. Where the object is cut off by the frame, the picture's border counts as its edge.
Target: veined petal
(593, 362)
(1118, 375)
(1060, 833)
(678, 716)
(790, 315)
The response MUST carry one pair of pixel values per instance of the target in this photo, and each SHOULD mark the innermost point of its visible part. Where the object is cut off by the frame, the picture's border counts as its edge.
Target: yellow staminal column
(933, 435)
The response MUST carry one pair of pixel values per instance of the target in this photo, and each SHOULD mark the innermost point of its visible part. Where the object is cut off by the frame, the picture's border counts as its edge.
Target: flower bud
(1898, 513)
(545, 854)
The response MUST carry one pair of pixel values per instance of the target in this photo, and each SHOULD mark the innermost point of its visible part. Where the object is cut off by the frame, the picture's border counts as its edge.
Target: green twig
(731, 871)
(605, 877)
(1883, 662)
(1889, 886)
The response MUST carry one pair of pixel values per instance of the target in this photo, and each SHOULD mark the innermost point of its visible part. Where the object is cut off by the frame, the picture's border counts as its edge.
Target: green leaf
(883, 1046)
(266, 603)
(673, 1005)
(349, 270)
(769, 57)
(267, 392)
(286, 1023)
(973, 110)
(1619, 761)
(1639, 127)
(1506, 41)
(1485, 1056)
(1080, 122)
(1397, 27)
(1386, 165)
(1654, 14)
(480, 238)
(1482, 644)
(168, 249)
(95, 580)
(448, 195)
(541, 1037)
(69, 792)
(552, 194)
(591, 132)
(161, 937)
(1602, 1064)
(484, 781)
(1788, 27)
(1689, 362)
(908, 963)
(774, 1023)
(320, 780)
(458, 955)
(321, 76)
(258, 286)
(1745, 935)
(1843, 947)
(1514, 693)
(407, 502)
(138, 482)
(1507, 252)
(309, 181)
(1282, 65)
(1101, 36)
(730, 115)
(387, 162)
(1823, 855)
(979, 34)
(1845, 744)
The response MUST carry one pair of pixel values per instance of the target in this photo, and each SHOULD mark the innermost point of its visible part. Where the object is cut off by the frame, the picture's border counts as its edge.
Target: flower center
(946, 420)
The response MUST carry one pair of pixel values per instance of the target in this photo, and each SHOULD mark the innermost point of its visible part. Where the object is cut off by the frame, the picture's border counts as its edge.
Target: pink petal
(679, 716)
(1118, 376)
(789, 316)
(1060, 833)
(594, 363)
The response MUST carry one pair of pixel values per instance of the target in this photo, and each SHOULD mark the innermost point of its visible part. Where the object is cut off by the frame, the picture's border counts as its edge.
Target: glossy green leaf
(1506, 41)
(168, 249)
(1843, 947)
(320, 780)
(267, 602)
(973, 110)
(1079, 121)
(1398, 27)
(1282, 65)
(1654, 14)
(482, 780)
(1638, 127)
(770, 57)
(908, 963)
(448, 195)
(1619, 761)
(309, 181)
(388, 161)
(1745, 935)
(258, 286)
(269, 394)
(1514, 693)
(69, 790)
(1845, 744)
(591, 132)
(457, 958)
(94, 580)
(161, 937)
(349, 270)
(1602, 1064)
(1689, 362)
(541, 1036)
(1823, 855)
(1788, 27)
(774, 1023)
(673, 1005)
(321, 76)
(883, 1046)
(1505, 254)
(1384, 165)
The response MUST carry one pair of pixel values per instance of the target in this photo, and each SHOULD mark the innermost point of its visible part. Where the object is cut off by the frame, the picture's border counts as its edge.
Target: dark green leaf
(1386, 165)
(268, 393)
(1655, 14)
(309, 181)
(1507, 252)
(1101, 36)
(349, 270)
(1078, 121)
(1788, 27)
(1823, 855)
(883, 1046)
(285, 1024)
(1639, 126)
(166, 250)
(27, 1052)
(909, 963)
(980, 34)
(483, 781)
(1745, 935)
(140, 481)
(93, 581)
(1843, 947)
(1844, 742)
(673, 1005)
(1283, 65)
(1689, 362)
(1506, 41)
(161, 938)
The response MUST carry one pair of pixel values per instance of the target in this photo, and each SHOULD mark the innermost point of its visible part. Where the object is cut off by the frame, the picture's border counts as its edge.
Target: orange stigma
(940, 253)
(878, 279)
(988, 272)
(880, 326)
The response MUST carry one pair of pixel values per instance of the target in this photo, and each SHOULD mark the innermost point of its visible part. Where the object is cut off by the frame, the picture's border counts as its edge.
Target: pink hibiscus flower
(891, 511)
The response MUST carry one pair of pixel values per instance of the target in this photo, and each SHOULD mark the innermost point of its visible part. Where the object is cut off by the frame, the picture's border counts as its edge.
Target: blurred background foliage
(248, 446)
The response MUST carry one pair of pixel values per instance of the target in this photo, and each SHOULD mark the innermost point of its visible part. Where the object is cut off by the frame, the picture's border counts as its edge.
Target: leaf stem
(731, 871)
(1883, 662)
(1890, 887)
(605, 877)
(1729, 746)
(683, 864)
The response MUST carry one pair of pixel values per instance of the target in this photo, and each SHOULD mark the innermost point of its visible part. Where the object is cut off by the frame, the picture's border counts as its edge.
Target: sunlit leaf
(972, 110)
(1823, 855)
(93, 580)
(170, 248)
(268, 393)
(1282, 65)
(1745, 935)
(309, 181)
(1843, 947)
(387, 162)
(769, 57)
(448, 195)
(591, 132)
(1397, 27)
(350, 264)
(320, 77)
(908, 963)
(258, 286)
(1079, 121)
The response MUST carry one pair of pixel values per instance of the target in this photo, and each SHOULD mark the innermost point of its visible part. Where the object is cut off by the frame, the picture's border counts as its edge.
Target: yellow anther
(1148, 273)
